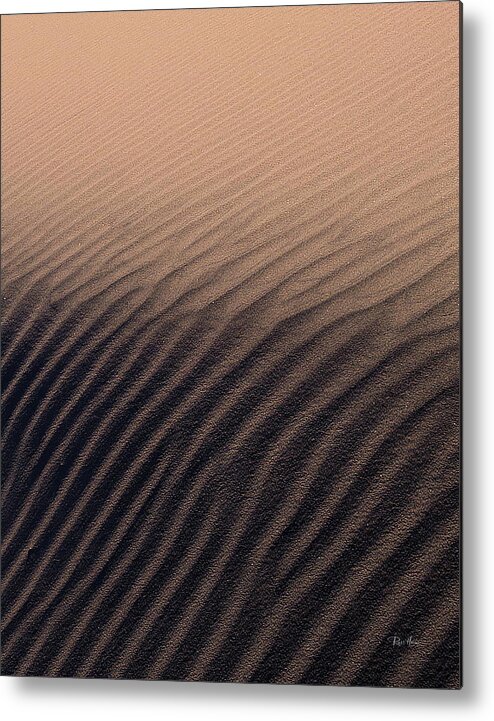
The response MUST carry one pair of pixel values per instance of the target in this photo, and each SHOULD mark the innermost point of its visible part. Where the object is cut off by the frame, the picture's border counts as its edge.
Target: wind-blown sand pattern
(230, 283)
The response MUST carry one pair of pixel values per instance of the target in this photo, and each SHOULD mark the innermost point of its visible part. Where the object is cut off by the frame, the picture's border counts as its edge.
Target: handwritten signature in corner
(398, 642)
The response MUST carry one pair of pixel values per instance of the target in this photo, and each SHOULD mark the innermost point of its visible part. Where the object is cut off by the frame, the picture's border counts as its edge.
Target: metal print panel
(230, 334)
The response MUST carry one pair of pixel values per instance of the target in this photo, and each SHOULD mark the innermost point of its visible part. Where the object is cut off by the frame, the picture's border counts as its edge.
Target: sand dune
(230, 332)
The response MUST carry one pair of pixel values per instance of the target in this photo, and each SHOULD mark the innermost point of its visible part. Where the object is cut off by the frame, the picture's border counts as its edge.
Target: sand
(230, 283)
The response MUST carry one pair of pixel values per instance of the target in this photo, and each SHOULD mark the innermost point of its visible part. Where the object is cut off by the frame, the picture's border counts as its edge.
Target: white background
(54, 699)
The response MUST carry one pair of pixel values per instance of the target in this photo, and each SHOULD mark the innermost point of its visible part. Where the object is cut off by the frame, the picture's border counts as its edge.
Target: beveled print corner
(231, 345)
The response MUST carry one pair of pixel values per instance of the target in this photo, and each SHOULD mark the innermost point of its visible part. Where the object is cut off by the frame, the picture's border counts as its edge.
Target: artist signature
(398, 642)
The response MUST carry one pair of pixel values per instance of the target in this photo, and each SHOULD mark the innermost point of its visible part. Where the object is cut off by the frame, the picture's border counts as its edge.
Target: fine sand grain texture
(230, 330)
